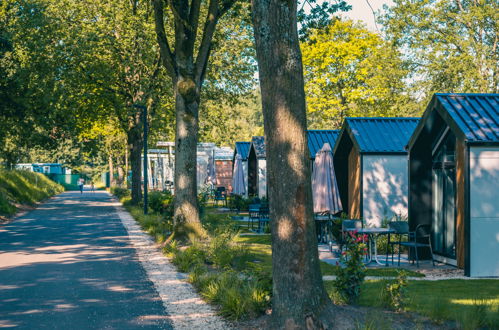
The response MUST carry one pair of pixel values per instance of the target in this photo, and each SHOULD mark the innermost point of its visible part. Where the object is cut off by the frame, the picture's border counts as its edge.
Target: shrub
(161, 202)
(222, 250)
(393, 292)
(189, 258)
(351, 275)
(120, 192)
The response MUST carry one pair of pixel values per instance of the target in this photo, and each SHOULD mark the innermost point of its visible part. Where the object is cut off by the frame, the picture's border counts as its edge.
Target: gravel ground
(186, 310)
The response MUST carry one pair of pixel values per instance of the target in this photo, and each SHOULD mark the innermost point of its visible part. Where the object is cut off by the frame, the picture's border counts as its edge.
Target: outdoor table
(374, 233)
(324, 225)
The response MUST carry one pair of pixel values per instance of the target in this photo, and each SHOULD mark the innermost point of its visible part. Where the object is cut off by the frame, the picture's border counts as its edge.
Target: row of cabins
(441, 169)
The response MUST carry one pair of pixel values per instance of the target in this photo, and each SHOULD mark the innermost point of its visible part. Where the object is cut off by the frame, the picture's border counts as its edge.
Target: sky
(362, 11)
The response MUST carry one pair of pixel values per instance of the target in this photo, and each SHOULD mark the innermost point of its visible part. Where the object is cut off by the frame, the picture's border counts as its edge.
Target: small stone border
(185, 309)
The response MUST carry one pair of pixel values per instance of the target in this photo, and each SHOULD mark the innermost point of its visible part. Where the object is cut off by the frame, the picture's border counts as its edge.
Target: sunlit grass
(24, 187)
(445, 300)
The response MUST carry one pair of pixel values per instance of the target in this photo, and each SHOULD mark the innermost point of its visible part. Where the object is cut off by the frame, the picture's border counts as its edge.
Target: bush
(191, 257)
(239, 203)
(393, 292)
(161, 202)
(120, 193)
(222, 250)
(351, 275)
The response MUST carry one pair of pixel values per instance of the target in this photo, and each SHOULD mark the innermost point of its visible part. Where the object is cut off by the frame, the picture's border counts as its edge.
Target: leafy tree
(299, 298)
(185, 53)
(350, 71)
(452, 46)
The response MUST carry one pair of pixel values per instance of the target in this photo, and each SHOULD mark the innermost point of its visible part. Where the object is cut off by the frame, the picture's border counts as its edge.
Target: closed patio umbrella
(238, 184)
(324, 187)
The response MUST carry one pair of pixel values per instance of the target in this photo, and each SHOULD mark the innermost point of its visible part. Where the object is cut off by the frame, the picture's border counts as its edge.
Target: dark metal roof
(476, 115)
(380, 135)
(242, 148)
(258, 143)
(317, 138)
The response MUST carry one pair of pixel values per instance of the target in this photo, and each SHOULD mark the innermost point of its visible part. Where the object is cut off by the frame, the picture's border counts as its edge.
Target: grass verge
(23, 187)
(473, 304)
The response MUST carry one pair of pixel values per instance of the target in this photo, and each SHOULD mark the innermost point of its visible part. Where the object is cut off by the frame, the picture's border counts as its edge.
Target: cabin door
(444, 196)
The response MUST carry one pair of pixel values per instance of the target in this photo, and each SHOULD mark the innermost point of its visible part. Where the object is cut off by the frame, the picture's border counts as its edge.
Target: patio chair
(401, 229)
(254, 213)
(419, 238)
(220, 195)
(263, 218)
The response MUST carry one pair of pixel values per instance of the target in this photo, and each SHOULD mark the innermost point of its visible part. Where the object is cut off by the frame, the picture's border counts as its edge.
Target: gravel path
(185, 308)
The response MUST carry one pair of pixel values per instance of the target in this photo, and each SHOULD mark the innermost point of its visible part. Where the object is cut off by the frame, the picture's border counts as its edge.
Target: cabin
(454, 180)
(370, 162)
(316, 139)
(45, 168)
(257, 168)
(242, 148)
(223, 167)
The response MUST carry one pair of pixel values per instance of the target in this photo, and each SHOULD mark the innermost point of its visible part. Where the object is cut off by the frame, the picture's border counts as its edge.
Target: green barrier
(68, 181)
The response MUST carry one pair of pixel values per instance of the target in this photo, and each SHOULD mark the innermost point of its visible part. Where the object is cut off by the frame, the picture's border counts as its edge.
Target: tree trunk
(134, 140)
(112, 183)
(126, 167)
(299, 298)
(186, 137)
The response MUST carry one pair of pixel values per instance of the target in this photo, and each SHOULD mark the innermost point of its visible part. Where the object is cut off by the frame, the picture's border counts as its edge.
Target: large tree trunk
(186, 137)
(299, 298)
(135, 142)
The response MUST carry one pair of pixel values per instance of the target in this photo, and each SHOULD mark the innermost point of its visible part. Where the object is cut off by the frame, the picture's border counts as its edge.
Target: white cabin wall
(262, 178)
(484, 211)
(384, 187)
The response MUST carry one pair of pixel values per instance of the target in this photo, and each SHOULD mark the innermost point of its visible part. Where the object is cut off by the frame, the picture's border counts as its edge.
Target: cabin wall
(484, 211)
(384, 187)
(262, 178)
(354, 183)
(223, 171)
(460, 201)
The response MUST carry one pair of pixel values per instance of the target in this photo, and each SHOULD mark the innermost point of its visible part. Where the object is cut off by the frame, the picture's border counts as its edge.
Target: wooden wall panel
(224, 173)
(460, 201)
(354, 177)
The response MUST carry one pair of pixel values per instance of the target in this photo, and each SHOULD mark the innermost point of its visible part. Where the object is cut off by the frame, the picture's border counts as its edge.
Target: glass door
(444, 196)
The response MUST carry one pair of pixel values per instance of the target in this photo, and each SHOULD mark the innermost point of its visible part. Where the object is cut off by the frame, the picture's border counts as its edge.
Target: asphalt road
(69, 265)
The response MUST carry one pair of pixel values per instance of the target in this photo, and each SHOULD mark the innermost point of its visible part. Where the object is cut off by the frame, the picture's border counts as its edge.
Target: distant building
(45, 168)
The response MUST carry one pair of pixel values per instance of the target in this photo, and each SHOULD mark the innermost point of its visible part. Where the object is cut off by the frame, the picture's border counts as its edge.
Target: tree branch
(167, 57)
(205, 47)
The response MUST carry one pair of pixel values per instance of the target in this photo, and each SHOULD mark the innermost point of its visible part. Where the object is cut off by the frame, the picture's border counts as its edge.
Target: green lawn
(449, 300)
(259, 246)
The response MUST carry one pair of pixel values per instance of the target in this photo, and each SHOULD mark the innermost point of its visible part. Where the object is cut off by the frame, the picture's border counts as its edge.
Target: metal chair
(220, 195)
(419, 238)
(263, 218)
(401, 229)
(254, 213)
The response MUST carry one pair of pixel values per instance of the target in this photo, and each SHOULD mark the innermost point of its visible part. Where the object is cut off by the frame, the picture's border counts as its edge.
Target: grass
(472, 303)
(23, 187)
(260, 247)
(235, 274)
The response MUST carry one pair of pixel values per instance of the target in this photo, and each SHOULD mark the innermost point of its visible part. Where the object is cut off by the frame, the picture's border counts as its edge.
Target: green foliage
(191, 257)
(238, 296)
(23, 187)
(239, 203)
(350, 277)
(393, 292)
(350, 71)
(120, 193)
(450, 46)
(161, 202)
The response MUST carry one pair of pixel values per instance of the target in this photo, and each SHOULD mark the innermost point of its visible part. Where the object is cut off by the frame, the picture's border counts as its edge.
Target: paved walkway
(69, 265)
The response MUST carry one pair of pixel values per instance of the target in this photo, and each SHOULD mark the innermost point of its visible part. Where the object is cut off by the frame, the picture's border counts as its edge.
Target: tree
(299, 299)
(187, 70)
(452, 46)
(350, 71)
